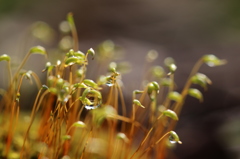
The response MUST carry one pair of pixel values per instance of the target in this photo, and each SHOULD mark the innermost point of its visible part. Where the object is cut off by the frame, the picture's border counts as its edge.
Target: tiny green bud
(150, 88)
(138, 103)
(153, 86)
(66, 137)
(5, 57)
(44, 87)
(48, 67)
(170, 114)
(38, 50)
(156, 85)
(90, 83)
(80, 85)
(195, 93)
(201, 79)
(73, 60)
(53, 90)
(60, 83)
(70, 53)
(175, 96)
(212, 60)
(172, 68)
(91, 52)
(51, 80)
(85, 93)
(79, 124)
(174, 137)
(86, 101)
(28, 74)
(79, 54)
(123, 137)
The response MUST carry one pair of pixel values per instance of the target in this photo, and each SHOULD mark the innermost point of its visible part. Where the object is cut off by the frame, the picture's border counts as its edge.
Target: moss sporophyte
(77, 117)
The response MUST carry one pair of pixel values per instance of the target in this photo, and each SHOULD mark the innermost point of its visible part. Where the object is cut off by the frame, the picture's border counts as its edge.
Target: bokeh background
(184, 30)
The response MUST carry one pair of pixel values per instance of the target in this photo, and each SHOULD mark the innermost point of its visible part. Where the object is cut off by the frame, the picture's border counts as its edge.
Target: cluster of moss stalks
(76, 117)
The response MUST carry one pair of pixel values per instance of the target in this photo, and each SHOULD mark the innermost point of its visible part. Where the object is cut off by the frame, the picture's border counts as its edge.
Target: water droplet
(90, 107)
(109, 84)
(172, 140)
(92, 102)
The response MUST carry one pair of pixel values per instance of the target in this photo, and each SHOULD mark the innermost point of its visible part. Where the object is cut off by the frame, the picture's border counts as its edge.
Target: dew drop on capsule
(172, 140)
(94, 102)
(109, 84)
(90, 107)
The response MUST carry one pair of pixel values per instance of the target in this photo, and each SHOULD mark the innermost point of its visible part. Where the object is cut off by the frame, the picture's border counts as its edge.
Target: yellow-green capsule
(172, 68)
(196, 94)
(173, 138)
(79, 124)
(212, 60)
(90, 83)
(79, 54)
(66, 137)
(175, 96)
(123, 137)
(156, 85)
(153, 86)
(48, 67)
(5, 57)
(85, 92)
(60, 83)
(73, 60)
(44, 87)
(138, 103)
(38, 50)
(91, 52)
(201, 79)
(170, 114)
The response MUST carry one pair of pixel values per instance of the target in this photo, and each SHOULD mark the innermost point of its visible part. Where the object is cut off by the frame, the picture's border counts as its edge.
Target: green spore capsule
(5, 57)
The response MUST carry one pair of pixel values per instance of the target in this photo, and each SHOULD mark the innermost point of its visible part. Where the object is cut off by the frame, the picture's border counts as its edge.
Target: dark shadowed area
(185, 30)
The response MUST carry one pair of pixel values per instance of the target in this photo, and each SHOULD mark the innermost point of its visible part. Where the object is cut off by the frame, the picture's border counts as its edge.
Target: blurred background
(185, 30)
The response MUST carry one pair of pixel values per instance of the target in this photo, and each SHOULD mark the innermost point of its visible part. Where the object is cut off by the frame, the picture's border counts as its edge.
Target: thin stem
(21, 65)
(145, 139)
(74, 33)
(133, 117)
(195, 69)
(35, 109)
(10, 131)
(89, 137)
(154, 144)
(124, 110)
(9, 72)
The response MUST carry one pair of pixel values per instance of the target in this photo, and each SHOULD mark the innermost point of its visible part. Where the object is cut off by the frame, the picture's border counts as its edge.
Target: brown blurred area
(184, 30)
